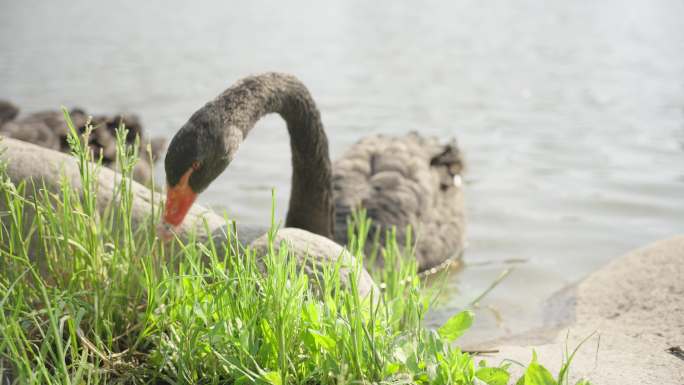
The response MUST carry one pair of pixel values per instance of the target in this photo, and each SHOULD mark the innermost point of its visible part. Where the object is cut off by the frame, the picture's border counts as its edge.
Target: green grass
(85, 298)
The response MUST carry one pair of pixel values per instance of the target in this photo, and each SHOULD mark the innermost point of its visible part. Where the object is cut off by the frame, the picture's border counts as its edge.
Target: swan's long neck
(241, 106)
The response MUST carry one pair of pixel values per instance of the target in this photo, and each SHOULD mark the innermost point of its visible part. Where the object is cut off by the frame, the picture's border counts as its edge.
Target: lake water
(570, 113)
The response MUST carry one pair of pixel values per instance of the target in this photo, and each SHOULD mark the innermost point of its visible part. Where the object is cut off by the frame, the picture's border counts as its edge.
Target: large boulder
(635, 305)
(315, 251)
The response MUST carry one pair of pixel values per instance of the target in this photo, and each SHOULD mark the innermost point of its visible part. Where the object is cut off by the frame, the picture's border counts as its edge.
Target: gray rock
(635, 304)
(317, 251)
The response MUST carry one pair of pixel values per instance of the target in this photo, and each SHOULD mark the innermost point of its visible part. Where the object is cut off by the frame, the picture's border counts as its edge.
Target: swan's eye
(196, 165)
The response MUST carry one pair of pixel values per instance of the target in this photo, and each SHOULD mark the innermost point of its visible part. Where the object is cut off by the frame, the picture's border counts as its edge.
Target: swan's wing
(404, 181)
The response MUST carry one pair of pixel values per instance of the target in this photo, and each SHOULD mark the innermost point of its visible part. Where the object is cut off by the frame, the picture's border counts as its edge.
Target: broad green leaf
(269, 336)
(325, 341)
(493, 376)
(538, 375)
(311, 314)
(273, 378)
(392, 368)
(583, 382)
(456, 325)
(309, 342)
(412, 363)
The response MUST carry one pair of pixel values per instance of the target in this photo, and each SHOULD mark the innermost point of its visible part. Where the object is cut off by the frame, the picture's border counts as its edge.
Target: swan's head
(196, 156)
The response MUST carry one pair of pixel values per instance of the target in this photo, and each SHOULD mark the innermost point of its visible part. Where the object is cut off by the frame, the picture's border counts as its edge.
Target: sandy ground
(631, 311)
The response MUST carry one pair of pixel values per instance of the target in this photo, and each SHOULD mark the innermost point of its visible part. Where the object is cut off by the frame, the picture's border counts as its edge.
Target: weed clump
(110, 303)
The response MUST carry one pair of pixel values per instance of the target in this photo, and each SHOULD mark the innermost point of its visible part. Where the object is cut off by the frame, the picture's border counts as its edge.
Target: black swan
(401, 181)
(43, 168)
(49, 129)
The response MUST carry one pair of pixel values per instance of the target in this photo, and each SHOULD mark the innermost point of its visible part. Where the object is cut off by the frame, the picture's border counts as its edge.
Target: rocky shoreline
(631, 313)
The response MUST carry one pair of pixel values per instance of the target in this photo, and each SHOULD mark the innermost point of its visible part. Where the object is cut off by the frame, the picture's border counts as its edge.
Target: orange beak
(179, 199)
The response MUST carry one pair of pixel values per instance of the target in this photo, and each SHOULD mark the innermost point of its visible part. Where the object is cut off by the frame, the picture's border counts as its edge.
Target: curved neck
(242, 105)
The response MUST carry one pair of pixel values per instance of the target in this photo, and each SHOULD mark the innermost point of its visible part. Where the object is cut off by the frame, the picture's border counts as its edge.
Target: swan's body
(401, 181)
(404, 181)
